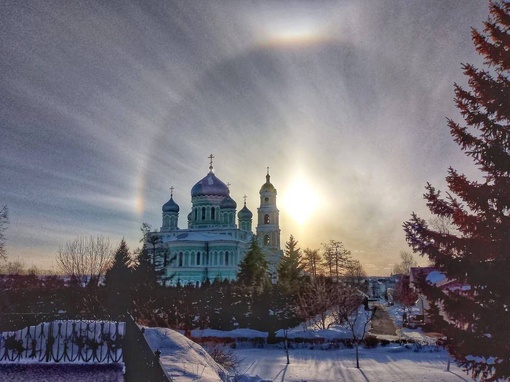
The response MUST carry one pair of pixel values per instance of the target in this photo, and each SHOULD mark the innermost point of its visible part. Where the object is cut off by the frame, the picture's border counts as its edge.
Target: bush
(371, 342)
(385, 342)
(224, 357)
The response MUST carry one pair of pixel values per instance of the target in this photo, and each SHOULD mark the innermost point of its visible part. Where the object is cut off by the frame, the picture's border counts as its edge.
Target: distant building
(434, 277)
(213, 245)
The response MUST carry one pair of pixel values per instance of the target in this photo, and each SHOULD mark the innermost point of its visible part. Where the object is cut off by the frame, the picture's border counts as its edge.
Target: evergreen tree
(118, 281)
(290, 269)
(477, 252)
(144, 285)
(253, 270)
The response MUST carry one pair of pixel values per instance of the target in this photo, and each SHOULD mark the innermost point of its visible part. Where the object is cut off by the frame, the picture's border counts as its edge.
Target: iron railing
(69, 341)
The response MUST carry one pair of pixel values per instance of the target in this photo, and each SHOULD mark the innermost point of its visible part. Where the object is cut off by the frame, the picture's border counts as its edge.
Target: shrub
(224, 357)
(371, 342)
(385, 342)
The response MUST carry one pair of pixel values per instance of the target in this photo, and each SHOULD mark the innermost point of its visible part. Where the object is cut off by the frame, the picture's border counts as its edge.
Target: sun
(299, 200)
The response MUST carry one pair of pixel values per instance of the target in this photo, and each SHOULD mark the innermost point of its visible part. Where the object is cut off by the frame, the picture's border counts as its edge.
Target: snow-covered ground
(390, 363)
(185, 361)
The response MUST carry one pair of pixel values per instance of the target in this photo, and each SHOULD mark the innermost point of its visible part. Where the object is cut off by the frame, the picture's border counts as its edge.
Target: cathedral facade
(217, 237)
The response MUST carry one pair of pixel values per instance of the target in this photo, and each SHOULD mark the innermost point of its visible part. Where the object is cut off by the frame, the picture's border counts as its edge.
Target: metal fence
(69, 341)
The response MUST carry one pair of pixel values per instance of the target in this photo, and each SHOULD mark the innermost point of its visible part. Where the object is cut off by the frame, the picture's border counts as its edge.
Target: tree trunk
(357, 354)
(287, 350)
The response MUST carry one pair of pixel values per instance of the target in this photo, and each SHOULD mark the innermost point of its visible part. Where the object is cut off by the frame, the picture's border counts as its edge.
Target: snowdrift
(182, 359)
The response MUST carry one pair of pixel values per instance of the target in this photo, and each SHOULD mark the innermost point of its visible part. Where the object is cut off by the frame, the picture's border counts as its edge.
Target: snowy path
(382, 324)
(377, 365)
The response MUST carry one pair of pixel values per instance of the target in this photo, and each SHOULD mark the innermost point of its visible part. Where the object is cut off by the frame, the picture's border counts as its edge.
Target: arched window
(213, 213)
(166, 221)
(266, 219)
(226, 258)
(203, 213)
(196, 214)
(180, 259)
(267, 241)
(198, 258)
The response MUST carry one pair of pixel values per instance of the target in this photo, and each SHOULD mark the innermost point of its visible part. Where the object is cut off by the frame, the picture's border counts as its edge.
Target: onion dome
(244, 214)
(228, 202)
(210, 185)
(170, 206)
(267, 186)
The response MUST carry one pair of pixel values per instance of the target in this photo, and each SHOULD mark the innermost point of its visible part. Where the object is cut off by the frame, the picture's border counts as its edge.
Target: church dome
(210, 185)
(267, 186)
(228, 202)
(244, 214)
(170, 206)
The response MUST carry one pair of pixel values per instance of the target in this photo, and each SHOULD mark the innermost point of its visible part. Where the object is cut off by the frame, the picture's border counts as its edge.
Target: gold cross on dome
(172, 191)
(211, 157)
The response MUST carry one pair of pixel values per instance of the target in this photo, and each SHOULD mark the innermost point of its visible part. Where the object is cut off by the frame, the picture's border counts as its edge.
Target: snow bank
(236, 333)
(334, 333)
(182, 359)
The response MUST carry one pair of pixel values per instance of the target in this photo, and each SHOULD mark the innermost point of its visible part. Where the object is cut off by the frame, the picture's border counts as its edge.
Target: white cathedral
(213, 245)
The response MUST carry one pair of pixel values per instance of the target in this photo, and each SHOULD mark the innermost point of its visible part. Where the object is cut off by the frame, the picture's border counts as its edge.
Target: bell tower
(268, 225)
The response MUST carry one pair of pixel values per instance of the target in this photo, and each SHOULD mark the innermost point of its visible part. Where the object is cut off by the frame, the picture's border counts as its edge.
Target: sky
(105, 105)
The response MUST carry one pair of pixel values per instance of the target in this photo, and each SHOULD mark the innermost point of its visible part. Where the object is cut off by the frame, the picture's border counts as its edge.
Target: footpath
(383, 326)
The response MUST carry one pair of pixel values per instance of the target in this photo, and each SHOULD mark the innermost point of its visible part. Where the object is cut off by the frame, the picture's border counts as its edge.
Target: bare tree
(354, 270)
(311, 261)
(349, 309)
(407, 262)
(405, 294)
(16, 267)
(4, 220)
(335, 257)
(316, 301)
(85, 258)
(443, 224)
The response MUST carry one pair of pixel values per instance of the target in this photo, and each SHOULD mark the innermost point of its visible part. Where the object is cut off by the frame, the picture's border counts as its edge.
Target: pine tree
(290, 269)
(118, 281)
(477, 252)
(253, 270)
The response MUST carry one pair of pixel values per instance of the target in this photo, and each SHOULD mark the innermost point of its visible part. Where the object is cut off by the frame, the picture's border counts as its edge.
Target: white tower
(268, 226)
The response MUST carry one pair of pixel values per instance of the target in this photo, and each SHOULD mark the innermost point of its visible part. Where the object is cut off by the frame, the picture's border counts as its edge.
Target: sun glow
(300, 201)
(292, 32)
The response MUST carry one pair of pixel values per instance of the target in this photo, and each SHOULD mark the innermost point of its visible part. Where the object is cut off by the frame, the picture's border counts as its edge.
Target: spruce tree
(144, 285)
(118, 281)
(253, 269)
(476, 254)
(290, 269)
